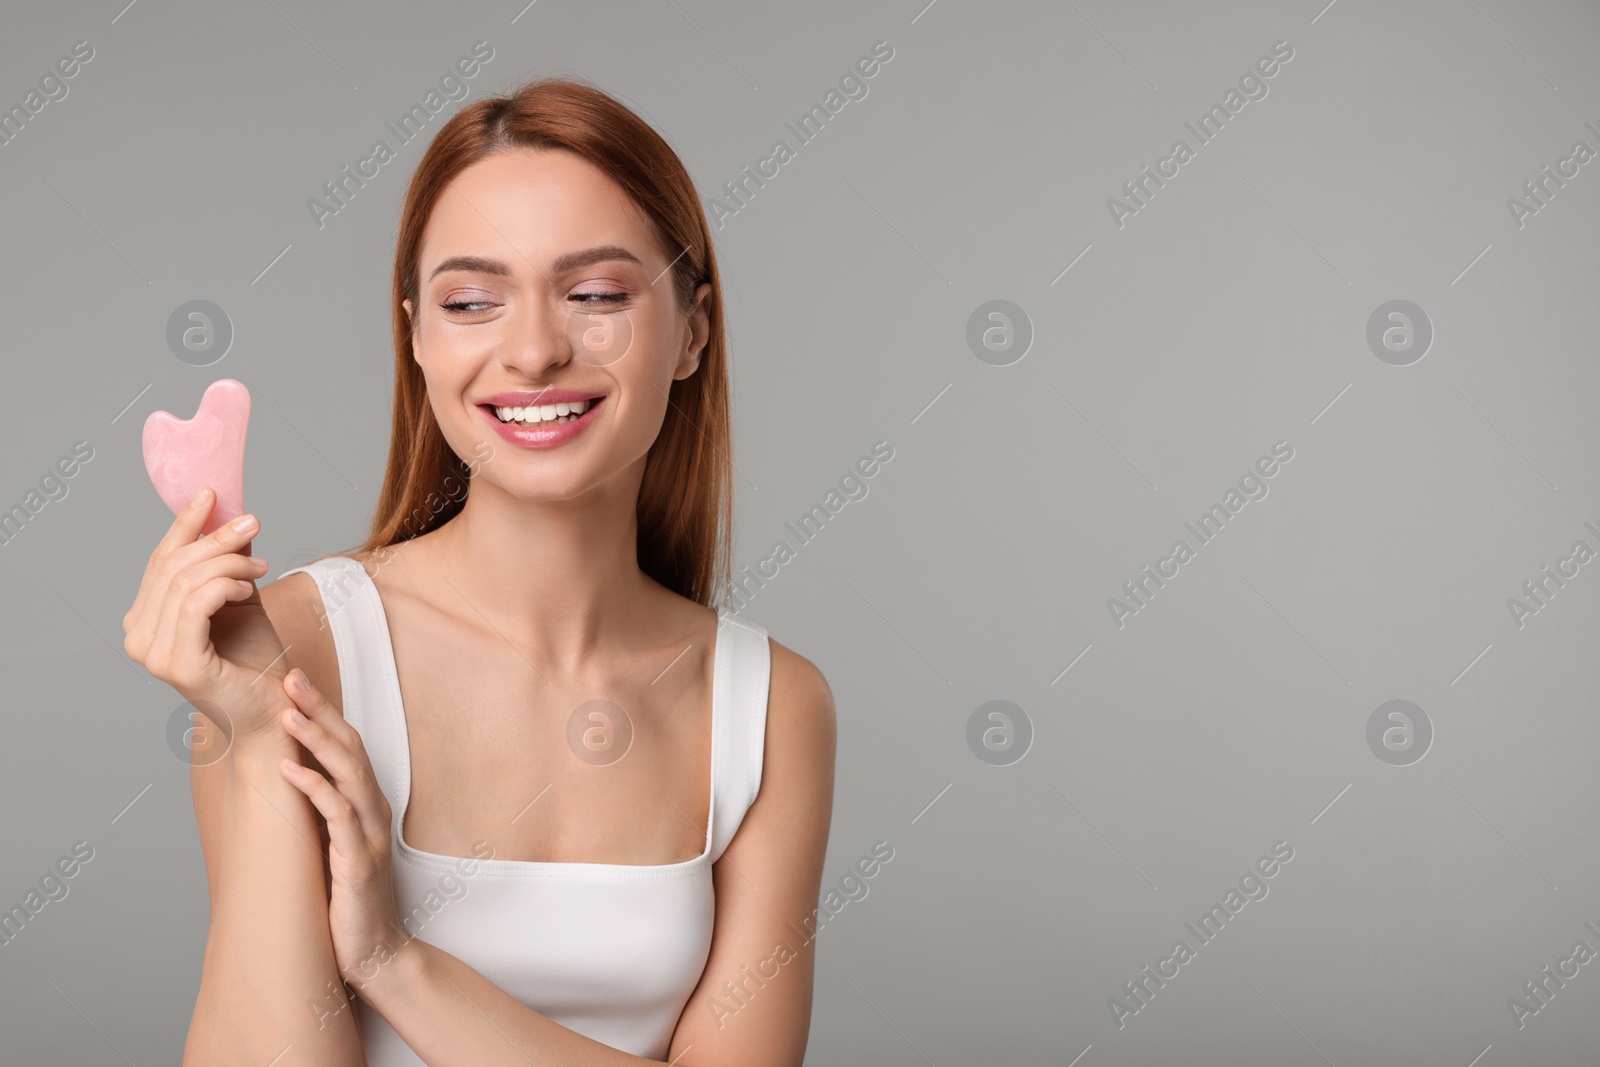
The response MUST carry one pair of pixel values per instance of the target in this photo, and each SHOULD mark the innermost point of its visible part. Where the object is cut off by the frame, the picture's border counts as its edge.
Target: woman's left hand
(362, 916)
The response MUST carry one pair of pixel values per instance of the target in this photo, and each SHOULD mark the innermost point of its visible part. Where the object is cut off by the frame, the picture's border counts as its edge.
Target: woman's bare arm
(767, 882)
(270, 990)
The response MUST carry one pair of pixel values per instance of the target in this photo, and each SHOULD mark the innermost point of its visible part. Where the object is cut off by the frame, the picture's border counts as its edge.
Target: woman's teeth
(543, 413)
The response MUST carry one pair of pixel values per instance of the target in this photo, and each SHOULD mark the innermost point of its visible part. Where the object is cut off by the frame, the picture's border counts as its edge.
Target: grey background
(1228, 314)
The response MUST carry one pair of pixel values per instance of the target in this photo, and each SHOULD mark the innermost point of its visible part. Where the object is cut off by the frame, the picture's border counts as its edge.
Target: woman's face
(546, 326)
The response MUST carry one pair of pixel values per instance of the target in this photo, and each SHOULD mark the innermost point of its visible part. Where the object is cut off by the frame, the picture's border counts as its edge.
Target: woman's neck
(550, 576)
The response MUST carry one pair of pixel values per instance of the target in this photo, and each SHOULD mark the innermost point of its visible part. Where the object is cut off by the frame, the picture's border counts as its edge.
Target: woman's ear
(411, 320)
(699, 333)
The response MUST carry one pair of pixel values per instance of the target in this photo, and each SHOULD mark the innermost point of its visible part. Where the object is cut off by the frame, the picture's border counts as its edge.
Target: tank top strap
(742, 672)
(353, 611)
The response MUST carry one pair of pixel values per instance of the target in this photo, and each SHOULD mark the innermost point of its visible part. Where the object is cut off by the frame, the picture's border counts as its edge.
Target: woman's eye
(603, 298)
(468, 307)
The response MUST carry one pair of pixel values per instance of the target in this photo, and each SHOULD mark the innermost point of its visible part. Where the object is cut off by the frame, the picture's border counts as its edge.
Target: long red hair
(685, 502)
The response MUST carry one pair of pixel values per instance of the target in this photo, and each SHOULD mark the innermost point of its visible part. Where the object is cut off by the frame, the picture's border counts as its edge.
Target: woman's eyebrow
(564, 263)
(477, 264)
(599, 254)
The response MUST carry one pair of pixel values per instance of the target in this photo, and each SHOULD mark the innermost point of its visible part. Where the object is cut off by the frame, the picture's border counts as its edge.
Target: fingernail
(244, 523)
(258, 561)
(300, 680)
(294, 713)
(200, 496)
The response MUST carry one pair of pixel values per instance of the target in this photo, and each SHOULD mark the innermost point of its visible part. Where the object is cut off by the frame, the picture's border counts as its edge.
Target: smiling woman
(557, 317)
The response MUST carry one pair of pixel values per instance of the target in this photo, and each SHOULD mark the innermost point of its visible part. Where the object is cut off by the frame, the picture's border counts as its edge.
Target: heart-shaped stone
(184, 454)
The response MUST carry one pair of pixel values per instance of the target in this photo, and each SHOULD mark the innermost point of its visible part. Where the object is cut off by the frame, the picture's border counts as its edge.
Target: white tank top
(612, 951)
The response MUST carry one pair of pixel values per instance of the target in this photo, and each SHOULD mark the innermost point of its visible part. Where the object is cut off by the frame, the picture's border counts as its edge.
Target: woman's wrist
(258, 752)
(387, 977)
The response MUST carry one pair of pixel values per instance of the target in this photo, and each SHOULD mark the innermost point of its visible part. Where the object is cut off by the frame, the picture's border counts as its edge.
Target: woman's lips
(542, 435)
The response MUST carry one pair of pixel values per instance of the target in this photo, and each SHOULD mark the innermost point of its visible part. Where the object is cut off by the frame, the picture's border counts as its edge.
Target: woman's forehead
(532, 207)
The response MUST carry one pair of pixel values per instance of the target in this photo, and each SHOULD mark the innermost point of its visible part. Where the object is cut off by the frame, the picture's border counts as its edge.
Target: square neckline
(540, 868)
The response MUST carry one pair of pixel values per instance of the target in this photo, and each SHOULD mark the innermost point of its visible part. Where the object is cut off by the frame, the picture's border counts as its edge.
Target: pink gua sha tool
(184, 454)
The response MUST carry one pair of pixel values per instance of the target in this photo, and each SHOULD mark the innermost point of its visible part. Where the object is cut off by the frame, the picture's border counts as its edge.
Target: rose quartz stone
(184, 454)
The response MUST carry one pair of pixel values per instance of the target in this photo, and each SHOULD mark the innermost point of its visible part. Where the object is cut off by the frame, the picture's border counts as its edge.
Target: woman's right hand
(198, 623)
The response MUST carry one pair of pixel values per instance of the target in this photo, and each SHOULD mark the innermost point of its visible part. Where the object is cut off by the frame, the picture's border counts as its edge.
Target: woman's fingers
(229, 537)
(181, 655)
(344, 826)
(152, 609)
(181, 569)
(179, 636)
(233, 565)
(337, 746)
(184, 531)
(316, 707)
(187, 524)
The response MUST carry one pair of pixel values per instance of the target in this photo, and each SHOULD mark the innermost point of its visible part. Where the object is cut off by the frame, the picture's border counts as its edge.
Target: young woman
(506, 771)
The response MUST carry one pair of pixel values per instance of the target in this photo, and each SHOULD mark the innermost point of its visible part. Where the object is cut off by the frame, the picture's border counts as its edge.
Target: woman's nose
(537, 340)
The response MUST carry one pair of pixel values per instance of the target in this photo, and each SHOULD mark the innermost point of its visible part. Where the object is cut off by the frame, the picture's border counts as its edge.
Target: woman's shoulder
(800, 709)
(295, 600)
(793, 681)
(801, 718)
(294, 604)
(785, 830)
(299, 595)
